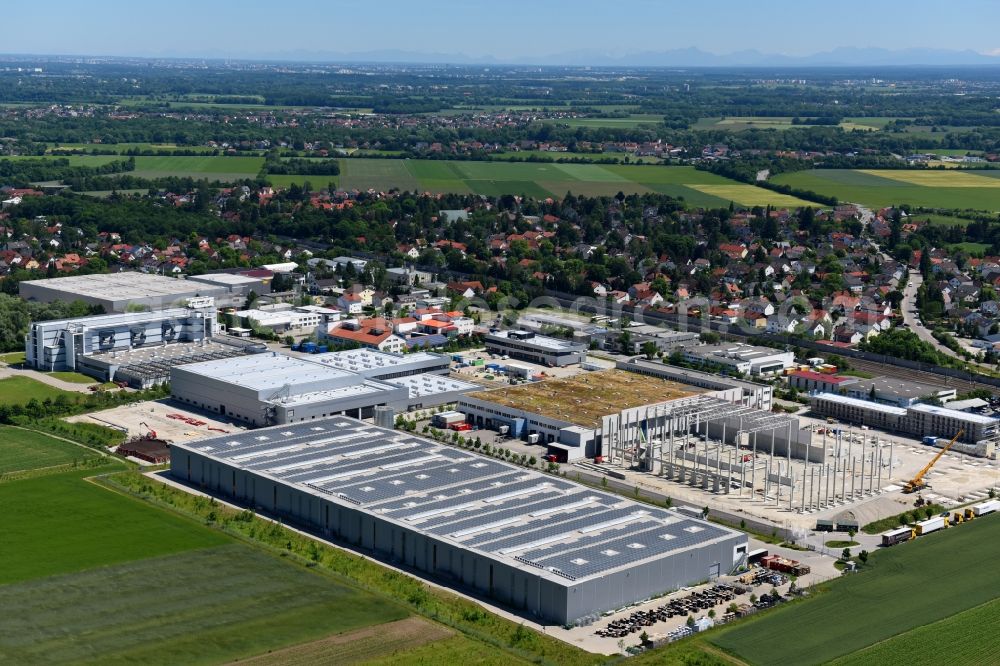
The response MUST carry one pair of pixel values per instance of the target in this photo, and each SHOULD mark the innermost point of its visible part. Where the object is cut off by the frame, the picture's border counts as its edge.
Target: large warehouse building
(550, 548)
(271, 388)
(120, 292)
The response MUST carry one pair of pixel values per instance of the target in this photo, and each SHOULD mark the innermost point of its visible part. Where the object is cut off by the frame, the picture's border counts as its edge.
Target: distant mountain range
(684, 57)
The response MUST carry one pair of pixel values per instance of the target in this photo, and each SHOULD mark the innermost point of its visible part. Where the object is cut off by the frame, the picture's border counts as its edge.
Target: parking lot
(622, 628)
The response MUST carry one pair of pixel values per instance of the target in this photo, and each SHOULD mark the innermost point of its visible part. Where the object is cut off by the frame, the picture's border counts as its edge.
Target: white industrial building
(136, 347)
(538, 544)
(373, 364)
(745, 359)
(540, 349)
(289, 319)
(272, 388)
(121, 292)
(918, 419)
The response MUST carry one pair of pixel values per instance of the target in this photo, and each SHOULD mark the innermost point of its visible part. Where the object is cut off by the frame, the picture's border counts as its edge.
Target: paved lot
(154, 414)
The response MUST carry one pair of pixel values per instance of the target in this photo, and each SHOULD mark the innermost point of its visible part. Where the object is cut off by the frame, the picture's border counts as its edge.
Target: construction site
(707, 443)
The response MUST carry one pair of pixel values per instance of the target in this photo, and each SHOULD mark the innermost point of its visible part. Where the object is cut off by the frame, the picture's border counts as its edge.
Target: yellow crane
(917, 482)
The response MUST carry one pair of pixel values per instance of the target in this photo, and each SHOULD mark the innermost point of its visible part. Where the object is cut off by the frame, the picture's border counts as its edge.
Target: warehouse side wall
(505, 584)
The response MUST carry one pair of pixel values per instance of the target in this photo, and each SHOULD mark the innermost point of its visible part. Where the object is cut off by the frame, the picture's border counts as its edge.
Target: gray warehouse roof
(555, 528)
(953, 414)
(127, 285)
(261, 372)
(420, 386)
(365, 361)
(544, 341)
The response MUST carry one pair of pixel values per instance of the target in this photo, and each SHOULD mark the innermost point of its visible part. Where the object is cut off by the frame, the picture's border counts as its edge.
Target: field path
(357, 646)
(98, 451)
(10, 371)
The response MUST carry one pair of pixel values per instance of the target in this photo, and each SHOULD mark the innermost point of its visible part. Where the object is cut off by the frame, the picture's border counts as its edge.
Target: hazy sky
(499, 28)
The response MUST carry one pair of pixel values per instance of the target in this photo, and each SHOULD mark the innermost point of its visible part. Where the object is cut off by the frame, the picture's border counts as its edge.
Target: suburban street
(908, 307)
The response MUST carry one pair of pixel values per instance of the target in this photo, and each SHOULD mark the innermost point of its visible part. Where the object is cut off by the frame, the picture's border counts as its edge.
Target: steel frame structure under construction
(723, 447)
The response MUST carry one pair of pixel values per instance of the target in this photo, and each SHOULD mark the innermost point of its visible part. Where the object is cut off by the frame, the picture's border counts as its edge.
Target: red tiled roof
(818, 376)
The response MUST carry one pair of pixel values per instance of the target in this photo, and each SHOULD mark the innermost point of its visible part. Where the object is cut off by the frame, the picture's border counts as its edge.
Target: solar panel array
(480, 503)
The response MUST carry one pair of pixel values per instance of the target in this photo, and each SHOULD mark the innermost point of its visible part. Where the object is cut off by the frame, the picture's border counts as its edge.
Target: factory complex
(548, 547)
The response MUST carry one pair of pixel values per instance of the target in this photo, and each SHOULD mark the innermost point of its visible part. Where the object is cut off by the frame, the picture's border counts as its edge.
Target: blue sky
(514, 29)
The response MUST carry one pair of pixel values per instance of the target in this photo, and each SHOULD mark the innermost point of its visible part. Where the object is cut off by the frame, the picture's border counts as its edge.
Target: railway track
(889, 370)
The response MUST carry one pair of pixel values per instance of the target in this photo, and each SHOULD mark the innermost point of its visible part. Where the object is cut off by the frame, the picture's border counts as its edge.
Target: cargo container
(931, 525)
(322, 349)
(899, 535)
(478, 362)
(519, 371)
(457, 358)
(986, 508)
(460, 427)
(784, 565)
(446, 419)
(929, 440)
(296, 346)
(824, 525)
(308, 347)
(533, 438)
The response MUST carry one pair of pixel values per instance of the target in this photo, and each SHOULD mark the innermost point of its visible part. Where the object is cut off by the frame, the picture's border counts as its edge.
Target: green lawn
(904, 588)
(72, 377)
(196, 607)
(20, 390)
(13, 358)
(22, 450)
(931, 189)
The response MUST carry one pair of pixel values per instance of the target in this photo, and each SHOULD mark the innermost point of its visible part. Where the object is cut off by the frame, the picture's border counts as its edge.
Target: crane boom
(917, 482)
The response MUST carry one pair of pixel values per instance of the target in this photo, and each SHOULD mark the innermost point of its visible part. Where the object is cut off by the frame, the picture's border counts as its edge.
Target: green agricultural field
(316, 182)
(20, 390)
(206, 605)
(903, 589)
(546, 179)
(633, 121)
(123, 147)
(74, 160)
(62, 523)
(24, 450)
(212, 167)
(956, 640)
(977, 190)
(364, 174)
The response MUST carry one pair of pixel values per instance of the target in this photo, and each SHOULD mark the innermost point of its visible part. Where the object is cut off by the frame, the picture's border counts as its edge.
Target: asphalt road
(910, 316)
